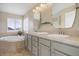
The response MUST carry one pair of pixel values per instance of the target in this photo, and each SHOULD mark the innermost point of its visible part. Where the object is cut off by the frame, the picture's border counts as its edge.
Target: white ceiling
(16, 8)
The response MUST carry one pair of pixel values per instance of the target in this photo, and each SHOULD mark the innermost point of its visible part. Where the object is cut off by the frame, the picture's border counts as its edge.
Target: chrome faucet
(60, 31)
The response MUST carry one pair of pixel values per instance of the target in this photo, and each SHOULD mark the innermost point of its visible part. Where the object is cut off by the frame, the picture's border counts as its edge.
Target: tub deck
(13, 49)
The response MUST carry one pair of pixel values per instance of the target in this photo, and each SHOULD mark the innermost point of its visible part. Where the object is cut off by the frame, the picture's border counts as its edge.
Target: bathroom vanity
(52, 45)
(42, 44)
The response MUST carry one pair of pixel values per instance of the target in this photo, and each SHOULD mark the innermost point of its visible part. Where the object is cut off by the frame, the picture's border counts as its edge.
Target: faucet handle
(60, 32)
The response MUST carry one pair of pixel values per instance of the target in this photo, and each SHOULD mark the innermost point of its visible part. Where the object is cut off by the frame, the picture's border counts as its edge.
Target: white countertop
(71, 40)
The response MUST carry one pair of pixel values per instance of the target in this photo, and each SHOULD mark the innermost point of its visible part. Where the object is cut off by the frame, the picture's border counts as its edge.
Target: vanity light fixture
(37, 8)
(42, 6)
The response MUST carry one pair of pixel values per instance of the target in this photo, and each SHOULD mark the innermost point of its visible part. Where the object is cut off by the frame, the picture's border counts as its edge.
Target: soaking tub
(11, 44)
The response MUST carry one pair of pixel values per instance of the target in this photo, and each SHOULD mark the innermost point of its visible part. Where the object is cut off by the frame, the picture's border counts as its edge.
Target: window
(26, 22)
(69, 18)
(14, 24)
(11, 24)
(18, 24)
(28, 25)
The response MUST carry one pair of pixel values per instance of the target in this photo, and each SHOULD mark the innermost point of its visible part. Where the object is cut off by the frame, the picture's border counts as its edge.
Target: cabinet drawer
(34, 51)
(69, 50)
(44, 41)
(34, 43)
(52, 46)
(29, 44)
(44, 50)
(29, 36)
(58, 54)
(52, 53)
(34, 38)
(26, 36)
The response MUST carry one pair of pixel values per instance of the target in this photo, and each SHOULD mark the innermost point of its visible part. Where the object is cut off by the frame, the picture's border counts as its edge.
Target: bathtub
(12, 38)
(11, 44)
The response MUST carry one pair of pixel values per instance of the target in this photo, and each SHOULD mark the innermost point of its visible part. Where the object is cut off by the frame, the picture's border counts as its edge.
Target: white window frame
(69, 22)
(14, 26)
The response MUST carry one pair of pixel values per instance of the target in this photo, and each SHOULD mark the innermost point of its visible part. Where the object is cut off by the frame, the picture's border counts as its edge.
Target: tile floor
(21, 52)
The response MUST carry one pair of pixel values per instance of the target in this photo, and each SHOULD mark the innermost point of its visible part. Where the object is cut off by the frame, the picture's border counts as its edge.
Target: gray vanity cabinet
(44, 47)
(29, 43)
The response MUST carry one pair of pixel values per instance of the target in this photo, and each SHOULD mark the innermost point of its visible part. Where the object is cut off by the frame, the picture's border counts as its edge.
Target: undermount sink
(57, 35)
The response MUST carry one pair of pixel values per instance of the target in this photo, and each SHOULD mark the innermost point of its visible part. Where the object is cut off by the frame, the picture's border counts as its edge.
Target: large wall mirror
(63, 15)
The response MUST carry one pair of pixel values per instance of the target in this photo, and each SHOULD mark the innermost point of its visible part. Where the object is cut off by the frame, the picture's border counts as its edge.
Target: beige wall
(3, 21)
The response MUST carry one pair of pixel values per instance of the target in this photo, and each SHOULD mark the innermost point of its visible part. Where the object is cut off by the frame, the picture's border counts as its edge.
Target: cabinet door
(44, 41)
(44, 50)
(34, 51)
(52, 53)
(59, 54)
(34, 46)
(66, 49)
(34, 38)
(52, 48)
(29, 43)
(25, 41)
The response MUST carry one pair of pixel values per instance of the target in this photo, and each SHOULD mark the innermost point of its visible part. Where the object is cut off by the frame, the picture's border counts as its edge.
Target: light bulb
(37, 8)
(41, 5)
(34, 10)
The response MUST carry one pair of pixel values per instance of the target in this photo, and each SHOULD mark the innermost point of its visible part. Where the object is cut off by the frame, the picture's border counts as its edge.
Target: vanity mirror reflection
(63, 15)
(42, 15)
(36, 17)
